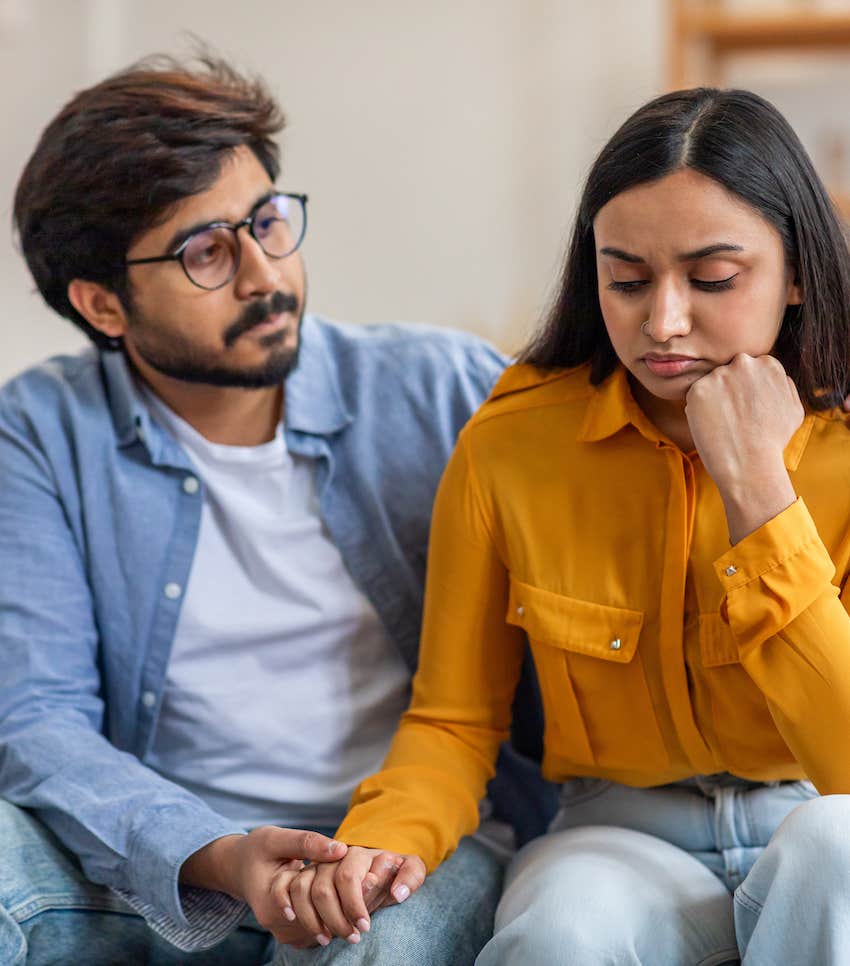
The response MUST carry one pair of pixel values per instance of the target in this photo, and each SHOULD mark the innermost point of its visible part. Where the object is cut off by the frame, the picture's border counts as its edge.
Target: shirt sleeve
(130, 828)
(793, 637)
(426, 796)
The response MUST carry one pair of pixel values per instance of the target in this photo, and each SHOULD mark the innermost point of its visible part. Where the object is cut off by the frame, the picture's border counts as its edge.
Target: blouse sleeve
(426, 796)
(793, 636)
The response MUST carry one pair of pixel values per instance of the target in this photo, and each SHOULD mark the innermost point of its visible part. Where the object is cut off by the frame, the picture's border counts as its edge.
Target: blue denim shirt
(98, 529)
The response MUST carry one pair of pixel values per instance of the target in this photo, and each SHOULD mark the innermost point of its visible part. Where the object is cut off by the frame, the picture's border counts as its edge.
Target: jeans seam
(747, 901)
(587, 796)
(63, 901)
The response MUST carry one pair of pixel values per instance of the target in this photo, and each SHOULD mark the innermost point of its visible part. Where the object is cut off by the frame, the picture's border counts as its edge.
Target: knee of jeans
(547, 933)
(814, 835)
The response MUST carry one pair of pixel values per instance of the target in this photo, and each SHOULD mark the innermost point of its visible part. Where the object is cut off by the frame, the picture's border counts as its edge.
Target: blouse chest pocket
(596, 697)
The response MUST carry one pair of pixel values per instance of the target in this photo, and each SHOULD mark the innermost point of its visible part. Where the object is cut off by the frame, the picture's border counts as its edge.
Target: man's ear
(101, 308)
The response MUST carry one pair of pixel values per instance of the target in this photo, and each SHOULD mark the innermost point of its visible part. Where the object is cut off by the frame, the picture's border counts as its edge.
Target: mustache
(258, 312)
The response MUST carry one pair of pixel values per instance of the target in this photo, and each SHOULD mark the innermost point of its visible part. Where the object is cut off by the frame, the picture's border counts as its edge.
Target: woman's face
(703, 269)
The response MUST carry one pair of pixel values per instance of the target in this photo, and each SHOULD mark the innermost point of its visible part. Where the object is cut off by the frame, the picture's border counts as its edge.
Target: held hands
(336, 898)
(741, 417)
(257, 868)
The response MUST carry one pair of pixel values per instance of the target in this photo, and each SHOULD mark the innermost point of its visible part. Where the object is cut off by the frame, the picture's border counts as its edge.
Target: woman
(657, 499)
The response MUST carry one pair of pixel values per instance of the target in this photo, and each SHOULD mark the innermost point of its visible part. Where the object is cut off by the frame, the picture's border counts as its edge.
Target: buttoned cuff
(207, 917)
(190, 918)
(773, 575)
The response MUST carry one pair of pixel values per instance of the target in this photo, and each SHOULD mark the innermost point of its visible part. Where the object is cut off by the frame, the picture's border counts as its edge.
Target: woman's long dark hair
(743, 143)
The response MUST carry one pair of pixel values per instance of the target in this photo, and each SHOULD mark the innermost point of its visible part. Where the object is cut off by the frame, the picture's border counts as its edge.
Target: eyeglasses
(210, 255)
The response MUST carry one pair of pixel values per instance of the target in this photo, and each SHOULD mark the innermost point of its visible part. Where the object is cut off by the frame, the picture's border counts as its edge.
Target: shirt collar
(313, 398)
(612, 407)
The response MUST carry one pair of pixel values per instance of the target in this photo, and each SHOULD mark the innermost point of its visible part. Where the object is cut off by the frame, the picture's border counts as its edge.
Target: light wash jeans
(50, 914)
(709, 871)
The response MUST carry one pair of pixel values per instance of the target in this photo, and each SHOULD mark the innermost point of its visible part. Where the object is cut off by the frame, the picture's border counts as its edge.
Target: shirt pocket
(745, 735)
(596, 698)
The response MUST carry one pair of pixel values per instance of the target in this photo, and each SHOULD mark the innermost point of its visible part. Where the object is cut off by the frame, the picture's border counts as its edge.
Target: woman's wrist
(754, 499)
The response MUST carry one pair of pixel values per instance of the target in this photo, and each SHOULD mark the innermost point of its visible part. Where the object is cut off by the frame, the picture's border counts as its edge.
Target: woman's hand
(337, 898)
(742, 416)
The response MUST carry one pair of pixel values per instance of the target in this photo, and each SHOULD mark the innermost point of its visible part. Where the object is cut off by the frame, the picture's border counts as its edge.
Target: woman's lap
(613, 893)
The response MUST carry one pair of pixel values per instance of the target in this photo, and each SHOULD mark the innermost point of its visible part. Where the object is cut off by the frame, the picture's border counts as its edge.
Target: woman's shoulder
(523, 388)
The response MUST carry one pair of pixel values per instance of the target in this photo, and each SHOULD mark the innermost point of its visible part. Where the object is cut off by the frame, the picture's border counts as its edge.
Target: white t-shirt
(282, 690)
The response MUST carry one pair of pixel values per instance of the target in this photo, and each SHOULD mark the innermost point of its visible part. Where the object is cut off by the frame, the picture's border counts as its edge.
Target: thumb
(291, 843)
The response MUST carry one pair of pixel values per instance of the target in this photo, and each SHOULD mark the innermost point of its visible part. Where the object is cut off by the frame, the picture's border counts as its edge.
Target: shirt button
(148, 699)
(173, 591)
(191, 485)
(731, 570)
(520, 610)
(616, 644)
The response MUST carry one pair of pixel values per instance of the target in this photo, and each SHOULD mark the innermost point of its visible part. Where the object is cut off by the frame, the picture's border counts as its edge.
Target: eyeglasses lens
(279, 225)
(210, 256)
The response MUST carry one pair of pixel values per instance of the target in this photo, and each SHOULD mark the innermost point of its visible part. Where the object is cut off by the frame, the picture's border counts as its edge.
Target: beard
(175, 356)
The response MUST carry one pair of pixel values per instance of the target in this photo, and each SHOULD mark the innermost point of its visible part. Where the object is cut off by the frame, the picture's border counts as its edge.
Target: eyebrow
(693, 256)
(180, 236)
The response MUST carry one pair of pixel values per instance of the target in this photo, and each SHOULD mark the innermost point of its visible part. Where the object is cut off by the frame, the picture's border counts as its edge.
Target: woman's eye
(718, 286)
(627, 288)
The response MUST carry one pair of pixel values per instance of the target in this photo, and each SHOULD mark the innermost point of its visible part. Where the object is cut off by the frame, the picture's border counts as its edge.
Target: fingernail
(334, 846)
(289, 913)
(354, 938)
(401, 893)
(322, 939)
(362, 925)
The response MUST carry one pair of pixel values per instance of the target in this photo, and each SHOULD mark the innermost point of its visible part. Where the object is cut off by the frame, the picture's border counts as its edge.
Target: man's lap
(49, 912)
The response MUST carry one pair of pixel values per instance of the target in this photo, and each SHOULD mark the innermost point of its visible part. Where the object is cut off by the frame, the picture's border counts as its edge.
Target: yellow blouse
(565, 518)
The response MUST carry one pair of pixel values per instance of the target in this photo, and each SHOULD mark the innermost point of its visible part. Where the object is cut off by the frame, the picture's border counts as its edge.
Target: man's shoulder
(419, 349)
(50, 388)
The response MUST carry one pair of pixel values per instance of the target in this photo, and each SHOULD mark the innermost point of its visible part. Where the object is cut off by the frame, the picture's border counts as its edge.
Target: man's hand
(337, 898)
(742, 416)
(257, 868)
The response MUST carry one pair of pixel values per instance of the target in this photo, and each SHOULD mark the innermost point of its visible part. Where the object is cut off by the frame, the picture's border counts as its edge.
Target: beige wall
(441, 144)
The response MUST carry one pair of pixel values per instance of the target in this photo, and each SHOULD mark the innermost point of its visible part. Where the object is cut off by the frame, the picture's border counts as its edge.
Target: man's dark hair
(745, 144)
(120, 155)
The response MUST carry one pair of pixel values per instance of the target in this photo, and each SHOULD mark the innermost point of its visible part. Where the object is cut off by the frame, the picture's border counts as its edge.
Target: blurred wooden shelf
(713, 32)
(797, 30)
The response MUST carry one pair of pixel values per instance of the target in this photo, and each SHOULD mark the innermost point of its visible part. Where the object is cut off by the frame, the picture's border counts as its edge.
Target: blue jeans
(49, 914)
(710, 871)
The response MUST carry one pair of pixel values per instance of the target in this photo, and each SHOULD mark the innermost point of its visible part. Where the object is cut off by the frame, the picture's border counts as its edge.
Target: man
(213, 530)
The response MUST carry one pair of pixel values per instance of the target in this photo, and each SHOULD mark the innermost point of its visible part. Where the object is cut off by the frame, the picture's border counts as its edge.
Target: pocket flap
(610, 633)
(717, 645)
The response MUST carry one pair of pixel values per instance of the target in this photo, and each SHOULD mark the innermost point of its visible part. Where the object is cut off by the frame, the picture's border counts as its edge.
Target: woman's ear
(795, 290)
(101, 308)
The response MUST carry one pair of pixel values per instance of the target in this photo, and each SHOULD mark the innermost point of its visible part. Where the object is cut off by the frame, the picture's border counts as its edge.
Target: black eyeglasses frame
(177, 254)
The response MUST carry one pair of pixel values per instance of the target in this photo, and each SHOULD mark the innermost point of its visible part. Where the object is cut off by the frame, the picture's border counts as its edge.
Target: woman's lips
(664, 365)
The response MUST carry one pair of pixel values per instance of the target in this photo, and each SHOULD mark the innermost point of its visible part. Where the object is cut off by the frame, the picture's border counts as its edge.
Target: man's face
(244, 334)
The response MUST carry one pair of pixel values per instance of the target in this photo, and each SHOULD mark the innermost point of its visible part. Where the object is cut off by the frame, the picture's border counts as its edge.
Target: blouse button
(616, 644)
(520, 610)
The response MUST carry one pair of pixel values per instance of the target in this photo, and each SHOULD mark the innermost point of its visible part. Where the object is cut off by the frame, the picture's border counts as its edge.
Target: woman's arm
(793, 632)
(426, 796)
